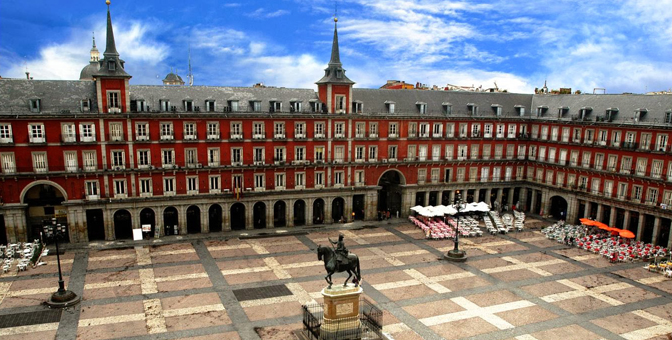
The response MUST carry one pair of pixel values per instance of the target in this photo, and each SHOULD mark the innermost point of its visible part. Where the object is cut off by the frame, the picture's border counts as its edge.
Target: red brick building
(105, 157)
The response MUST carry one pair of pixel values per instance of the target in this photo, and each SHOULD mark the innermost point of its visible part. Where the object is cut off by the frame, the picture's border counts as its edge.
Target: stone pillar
(249, 215)
(499, 197)
(328, 202)
(426, 200)
(205, 219)
(309, 211)
(545, 207)
(599, 212)
(158, 220)
(289, 213)
(347, 210)
(640, 227)
(587, 211)
(371, 206)
(534, 202)
(488, 193)
(656, 230)
(572, 210)
(270, 214)
(452, 197)
(226, 217)
(109, 224)
(612, 217)
(407, 201)
(626, 220)
(182, 219)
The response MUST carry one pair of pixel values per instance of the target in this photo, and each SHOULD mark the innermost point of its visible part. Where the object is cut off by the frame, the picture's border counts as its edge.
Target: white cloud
(262, 13)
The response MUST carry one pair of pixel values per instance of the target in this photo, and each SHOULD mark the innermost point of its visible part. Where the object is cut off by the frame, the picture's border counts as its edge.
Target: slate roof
(89, 70)
(55, 95)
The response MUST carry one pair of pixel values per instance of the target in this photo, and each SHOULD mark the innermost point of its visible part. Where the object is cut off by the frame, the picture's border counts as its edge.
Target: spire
(190, 76)
(334, 73)
(111, 65)
(110, 48)
(335, 54)
(95, 55)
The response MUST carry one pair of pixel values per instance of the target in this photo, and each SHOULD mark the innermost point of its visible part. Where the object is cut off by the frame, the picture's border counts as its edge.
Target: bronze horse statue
(332, 266)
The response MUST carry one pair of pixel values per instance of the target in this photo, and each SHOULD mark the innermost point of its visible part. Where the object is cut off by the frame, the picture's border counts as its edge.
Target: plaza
(251, 285)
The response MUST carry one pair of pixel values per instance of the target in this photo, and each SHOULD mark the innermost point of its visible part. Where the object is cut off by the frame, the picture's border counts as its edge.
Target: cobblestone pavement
(222, 286)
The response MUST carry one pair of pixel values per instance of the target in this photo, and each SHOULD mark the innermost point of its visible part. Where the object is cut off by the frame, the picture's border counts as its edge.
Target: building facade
(105, 157)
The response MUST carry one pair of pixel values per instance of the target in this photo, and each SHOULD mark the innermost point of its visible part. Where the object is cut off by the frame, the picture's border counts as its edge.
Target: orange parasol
(601, 225)
(626, 234)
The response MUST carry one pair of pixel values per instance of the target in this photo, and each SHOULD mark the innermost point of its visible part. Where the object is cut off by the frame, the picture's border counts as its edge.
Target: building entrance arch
(123, 225)
(259, 214)
(558, 207)
(338, 209)
(389, 195)
(299, 213)
(44, 201)
(170, 220)
(193, 220)
(147, 216)
(318, 211)
(238, 216)
(279, 213)
(3, 230)
(215, 218)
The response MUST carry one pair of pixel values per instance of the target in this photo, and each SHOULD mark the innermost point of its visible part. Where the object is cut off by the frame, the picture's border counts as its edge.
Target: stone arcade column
(226, 217)
(407, 202)
(371, 206)
(545, 205)
(626, 220)
(534, 202)
(347, 210)
(309, 211)
(572, 210)
(612, 217)
(452, 197)
(249, 215)
(269, 215)
(640, 226)
(327, 210)
(75, 229)
(488, 193)
(182, 219)
(426, 199)
(289, 212)
(587, 211)
(205, 219)
(656, 230)
(158, 220)
(600, 207)
(499, 197)
(109, 223)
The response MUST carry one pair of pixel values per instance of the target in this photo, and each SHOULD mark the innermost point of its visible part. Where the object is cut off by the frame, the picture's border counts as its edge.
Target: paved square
(219, 286)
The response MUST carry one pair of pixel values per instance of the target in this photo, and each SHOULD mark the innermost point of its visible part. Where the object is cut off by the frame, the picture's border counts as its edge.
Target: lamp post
(61, 298)
(457, 255)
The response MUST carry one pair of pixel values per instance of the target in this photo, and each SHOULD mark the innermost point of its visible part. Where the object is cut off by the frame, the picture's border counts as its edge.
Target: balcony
(65, 139)
(320, 136)
(392, 136)
(141, 138)
(236, 136)
(258, 136)
(190, 137)
(373, 136)
(167, 137)
(279, 136)
(213, 136)
(300, 136)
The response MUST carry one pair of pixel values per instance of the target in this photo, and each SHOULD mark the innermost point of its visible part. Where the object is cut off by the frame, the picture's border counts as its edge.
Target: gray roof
(55, 96)
(111, 55)
(172, 77)
(89, 70)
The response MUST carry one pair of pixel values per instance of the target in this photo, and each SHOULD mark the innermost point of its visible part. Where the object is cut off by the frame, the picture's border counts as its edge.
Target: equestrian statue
(338, 259)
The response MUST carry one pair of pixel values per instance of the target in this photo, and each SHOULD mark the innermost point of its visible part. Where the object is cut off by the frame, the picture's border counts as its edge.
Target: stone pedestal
(455, 256)
(341, 313)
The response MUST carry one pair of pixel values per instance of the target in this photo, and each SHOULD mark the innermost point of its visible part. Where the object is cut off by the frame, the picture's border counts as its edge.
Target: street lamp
(457, 255)
(61, 298)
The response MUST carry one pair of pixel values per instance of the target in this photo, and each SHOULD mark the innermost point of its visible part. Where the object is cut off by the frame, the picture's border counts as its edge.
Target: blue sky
(623, 46)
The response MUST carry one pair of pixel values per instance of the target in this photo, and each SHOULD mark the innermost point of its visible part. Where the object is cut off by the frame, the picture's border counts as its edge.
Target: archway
(299, 213)
(279, 213)
(318, 211)
(44, 200)
(238, 216)
(358, 206)
(215, 218)
(147, 217)
(123, 226)
(338, 209)
(389, 196)
(193, 220)
(170, 221)
(558, 208)
(259, 214)
(3, 230)
(95, 224)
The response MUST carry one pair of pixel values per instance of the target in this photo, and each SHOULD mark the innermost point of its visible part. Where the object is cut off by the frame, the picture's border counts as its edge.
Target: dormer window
(520, 110)
(390, 106)
(473, 109)
(35, 105)
(85, 105)
(138, 105)
(276, 106)
(422, 107)
(610, 114)
(210, 106)
(585, 111)
(497, 109)
(639, 114)
(357, 106)
(339, 74)
(111, 65)
(295, 106)
(233, 106)
(255, 105)
(447, 108)
(188, 105)
(340, 104)
(315, 105)
(562, 111)
(541, 110)
(668, 116)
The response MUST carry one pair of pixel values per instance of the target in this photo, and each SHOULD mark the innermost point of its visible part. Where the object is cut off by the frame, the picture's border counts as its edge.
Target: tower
(112, 79)
(92, 68)
(335, 89)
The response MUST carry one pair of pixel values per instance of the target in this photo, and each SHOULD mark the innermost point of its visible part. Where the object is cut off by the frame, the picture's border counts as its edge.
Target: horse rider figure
(341, 250)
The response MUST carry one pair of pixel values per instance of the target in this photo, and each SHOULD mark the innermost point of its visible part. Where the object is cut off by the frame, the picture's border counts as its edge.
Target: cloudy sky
(623, 46)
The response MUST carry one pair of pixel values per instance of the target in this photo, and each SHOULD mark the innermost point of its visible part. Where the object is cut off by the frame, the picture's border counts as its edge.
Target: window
(36, 133)
(120, 188)
(68, 133)
(236, 156)
(319, 130)
(473, 109)
(622, 190)
(233, 106)
(255, 105)
(192, 185)
(359, 154)
(166, 131)
(486, 151)
(461, 152)
(447, 108)
(511, 148)
(450, 130)
(300, 130)
(554, 133)
(645, 141)
(373, 153)
(300, 153)
(410, 156)
(7, 163)
(215, 186)
(657, 169)
(424, 130)
(191, 158)
(6, 133)
(319, 154)
(338, 179)
(390, 107)
(299, 180)
(586, 159)
(422, 107)
(141, 131)
(661, 142)
(512, 131)
(487, 131)
(565, 134)
(520, 110)
(237, 183)
(497, 109)
(485, 174)
(475, 130)
(521, 153)
(608, 188)
(422, 176)
(279, 130)
(259, 182)
(87, 132)
(544, 133)
(319, 179)
(392, 153)
(169, 186)
(316, 106)
(213, 157)
(412, 130)
(258, 130)
(213, 130)
(498, 151)
(637, 193)
(339, 152)
(35, 105)
(500, 131)
(91, 190)
(295, 106)
(279, 181)
(90, 160)
(143, 159)
(340, 104)
(615, 138)
(393, 131)
(626, 165)
(279, 155)
(70, 160)
(164, 104)
(236, 130)
(652, 196)
(339, 130)
(460, 175)
(210, 106)
(145, 187)
(258, 156)
(436, 152)
(599, 161)
(275, 106)
(118, 159)
(641, 166)
(357, 106)
(116, 132)
(168, 158)
(113, 103)
(190, 131)
(611, 162)
(188, 105)
(360, 130)
(359, 178)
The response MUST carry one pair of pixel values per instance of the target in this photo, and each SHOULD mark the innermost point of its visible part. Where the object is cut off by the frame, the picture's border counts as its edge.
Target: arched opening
(338, 209)
(44, 202)
(279, 213)
(215, 218)
(358, 207)
(95, 224)
(259, 214)
(170, 220)
(3, 230)
(389, 196)
(123, 226)
(147, 217)
(238, 216)
(558, 208)
(318, 211)
(193, 220)
(299, 213)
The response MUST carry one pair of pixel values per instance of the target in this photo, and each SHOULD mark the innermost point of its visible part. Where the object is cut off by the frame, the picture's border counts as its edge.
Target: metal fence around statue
(369, 324)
